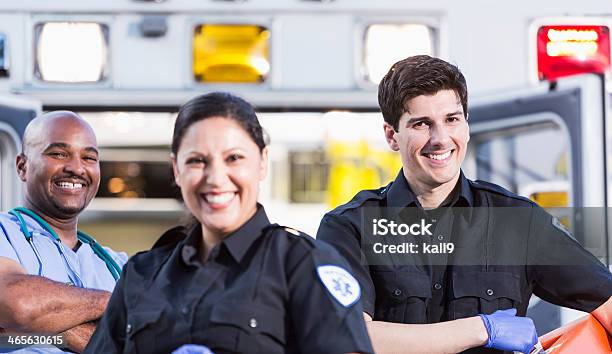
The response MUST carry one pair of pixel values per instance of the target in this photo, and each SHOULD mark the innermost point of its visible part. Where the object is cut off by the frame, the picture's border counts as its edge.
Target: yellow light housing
(231, 53)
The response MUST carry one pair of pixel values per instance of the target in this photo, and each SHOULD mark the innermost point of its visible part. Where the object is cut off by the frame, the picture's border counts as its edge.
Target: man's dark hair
(416, 76)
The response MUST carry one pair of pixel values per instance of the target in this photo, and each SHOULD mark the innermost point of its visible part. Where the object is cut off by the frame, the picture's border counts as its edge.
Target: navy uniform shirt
(263, 289)
(498, 261)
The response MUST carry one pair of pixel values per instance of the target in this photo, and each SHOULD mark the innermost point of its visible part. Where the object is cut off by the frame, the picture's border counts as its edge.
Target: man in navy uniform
(470, 291)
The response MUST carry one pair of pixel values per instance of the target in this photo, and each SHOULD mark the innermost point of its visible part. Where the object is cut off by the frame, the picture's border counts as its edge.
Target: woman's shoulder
(285, 234)
(298, 242)
(159, 253)
(171, 237)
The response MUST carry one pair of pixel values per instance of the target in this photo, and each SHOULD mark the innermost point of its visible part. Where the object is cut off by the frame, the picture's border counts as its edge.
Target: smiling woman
(232, 281)
(219, 175)
(218, 163)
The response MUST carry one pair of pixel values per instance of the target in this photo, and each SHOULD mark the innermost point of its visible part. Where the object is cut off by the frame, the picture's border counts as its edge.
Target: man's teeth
(220, 198)
(69, 185)
(439, 157)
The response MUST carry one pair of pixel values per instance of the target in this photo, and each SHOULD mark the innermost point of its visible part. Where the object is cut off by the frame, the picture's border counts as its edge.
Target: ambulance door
(15, 113)
(547, 143)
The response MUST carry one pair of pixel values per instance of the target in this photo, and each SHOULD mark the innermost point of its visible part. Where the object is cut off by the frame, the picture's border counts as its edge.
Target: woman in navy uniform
(231, 281)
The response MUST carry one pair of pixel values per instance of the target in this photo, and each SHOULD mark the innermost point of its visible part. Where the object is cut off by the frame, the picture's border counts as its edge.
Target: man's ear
(467, 116)
(20, 163)
(390, 136)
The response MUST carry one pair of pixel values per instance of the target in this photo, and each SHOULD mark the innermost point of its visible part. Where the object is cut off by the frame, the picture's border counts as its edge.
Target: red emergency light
(570, 50)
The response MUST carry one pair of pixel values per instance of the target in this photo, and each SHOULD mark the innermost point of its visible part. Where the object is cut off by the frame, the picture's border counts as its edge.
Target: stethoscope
(112, 266)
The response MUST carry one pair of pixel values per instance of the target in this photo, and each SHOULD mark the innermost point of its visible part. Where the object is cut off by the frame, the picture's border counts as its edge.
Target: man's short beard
(66, 211)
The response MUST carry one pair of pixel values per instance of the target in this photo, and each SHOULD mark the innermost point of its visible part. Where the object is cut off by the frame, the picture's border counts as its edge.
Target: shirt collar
(465, 196)
(237, 243)
(191, 245)
(401, 195)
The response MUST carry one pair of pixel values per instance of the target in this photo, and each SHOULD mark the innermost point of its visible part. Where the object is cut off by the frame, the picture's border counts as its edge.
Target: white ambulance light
(571, 42)
(71, 52)
(385, 44)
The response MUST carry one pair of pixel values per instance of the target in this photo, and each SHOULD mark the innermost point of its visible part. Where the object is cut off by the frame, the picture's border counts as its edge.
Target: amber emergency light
(231, 53)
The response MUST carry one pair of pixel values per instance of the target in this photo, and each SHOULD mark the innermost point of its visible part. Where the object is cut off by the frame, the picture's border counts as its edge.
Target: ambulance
(537, 75)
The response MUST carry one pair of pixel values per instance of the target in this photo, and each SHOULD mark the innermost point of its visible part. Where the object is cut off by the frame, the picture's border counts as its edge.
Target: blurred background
(311, 68)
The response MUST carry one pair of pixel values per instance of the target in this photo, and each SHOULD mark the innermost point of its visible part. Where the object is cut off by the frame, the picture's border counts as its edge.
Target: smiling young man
(54, 279)
(442, 301)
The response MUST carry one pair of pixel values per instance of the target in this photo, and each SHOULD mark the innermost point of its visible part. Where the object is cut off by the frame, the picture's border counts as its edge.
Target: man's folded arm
(30, 303)
(76, 338)
(444, 337)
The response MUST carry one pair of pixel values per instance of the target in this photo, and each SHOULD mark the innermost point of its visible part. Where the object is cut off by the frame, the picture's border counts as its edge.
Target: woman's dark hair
(217, 104)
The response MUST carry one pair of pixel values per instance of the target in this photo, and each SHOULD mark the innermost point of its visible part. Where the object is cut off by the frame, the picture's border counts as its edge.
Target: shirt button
(440, 237)
(185, 310)
(253, 323)
(437, 286)
(490, 292)
(128, 328)
(397, 292)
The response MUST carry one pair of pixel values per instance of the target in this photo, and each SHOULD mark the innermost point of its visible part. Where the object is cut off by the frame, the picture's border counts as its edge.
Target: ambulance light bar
(71, 52)
(569, 50)
(385, 44)
(227, 53)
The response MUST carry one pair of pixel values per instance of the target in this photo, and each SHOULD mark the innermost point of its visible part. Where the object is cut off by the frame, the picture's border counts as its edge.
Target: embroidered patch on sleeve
(340, 284)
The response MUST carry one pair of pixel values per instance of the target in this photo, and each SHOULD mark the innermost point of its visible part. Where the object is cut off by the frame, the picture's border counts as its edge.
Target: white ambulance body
(311, 68)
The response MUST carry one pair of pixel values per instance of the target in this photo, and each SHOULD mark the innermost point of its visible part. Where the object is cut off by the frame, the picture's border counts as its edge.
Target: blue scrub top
(57, 262)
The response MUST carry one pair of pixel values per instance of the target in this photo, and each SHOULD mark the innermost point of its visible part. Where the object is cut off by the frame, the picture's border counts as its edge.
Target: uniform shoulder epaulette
(362, 197)
(494, 188)
(293, 232)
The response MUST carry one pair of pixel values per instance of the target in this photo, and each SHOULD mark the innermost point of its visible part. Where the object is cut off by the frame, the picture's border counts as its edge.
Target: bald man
(54, 279)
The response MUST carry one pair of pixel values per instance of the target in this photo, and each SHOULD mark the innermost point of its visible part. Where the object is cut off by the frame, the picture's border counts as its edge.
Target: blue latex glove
(192, 349)
(509, 332)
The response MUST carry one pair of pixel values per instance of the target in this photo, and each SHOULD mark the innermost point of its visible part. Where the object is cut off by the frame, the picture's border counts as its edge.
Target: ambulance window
(136, 175)
(309, 176)
(530, 160)
(137, 198)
